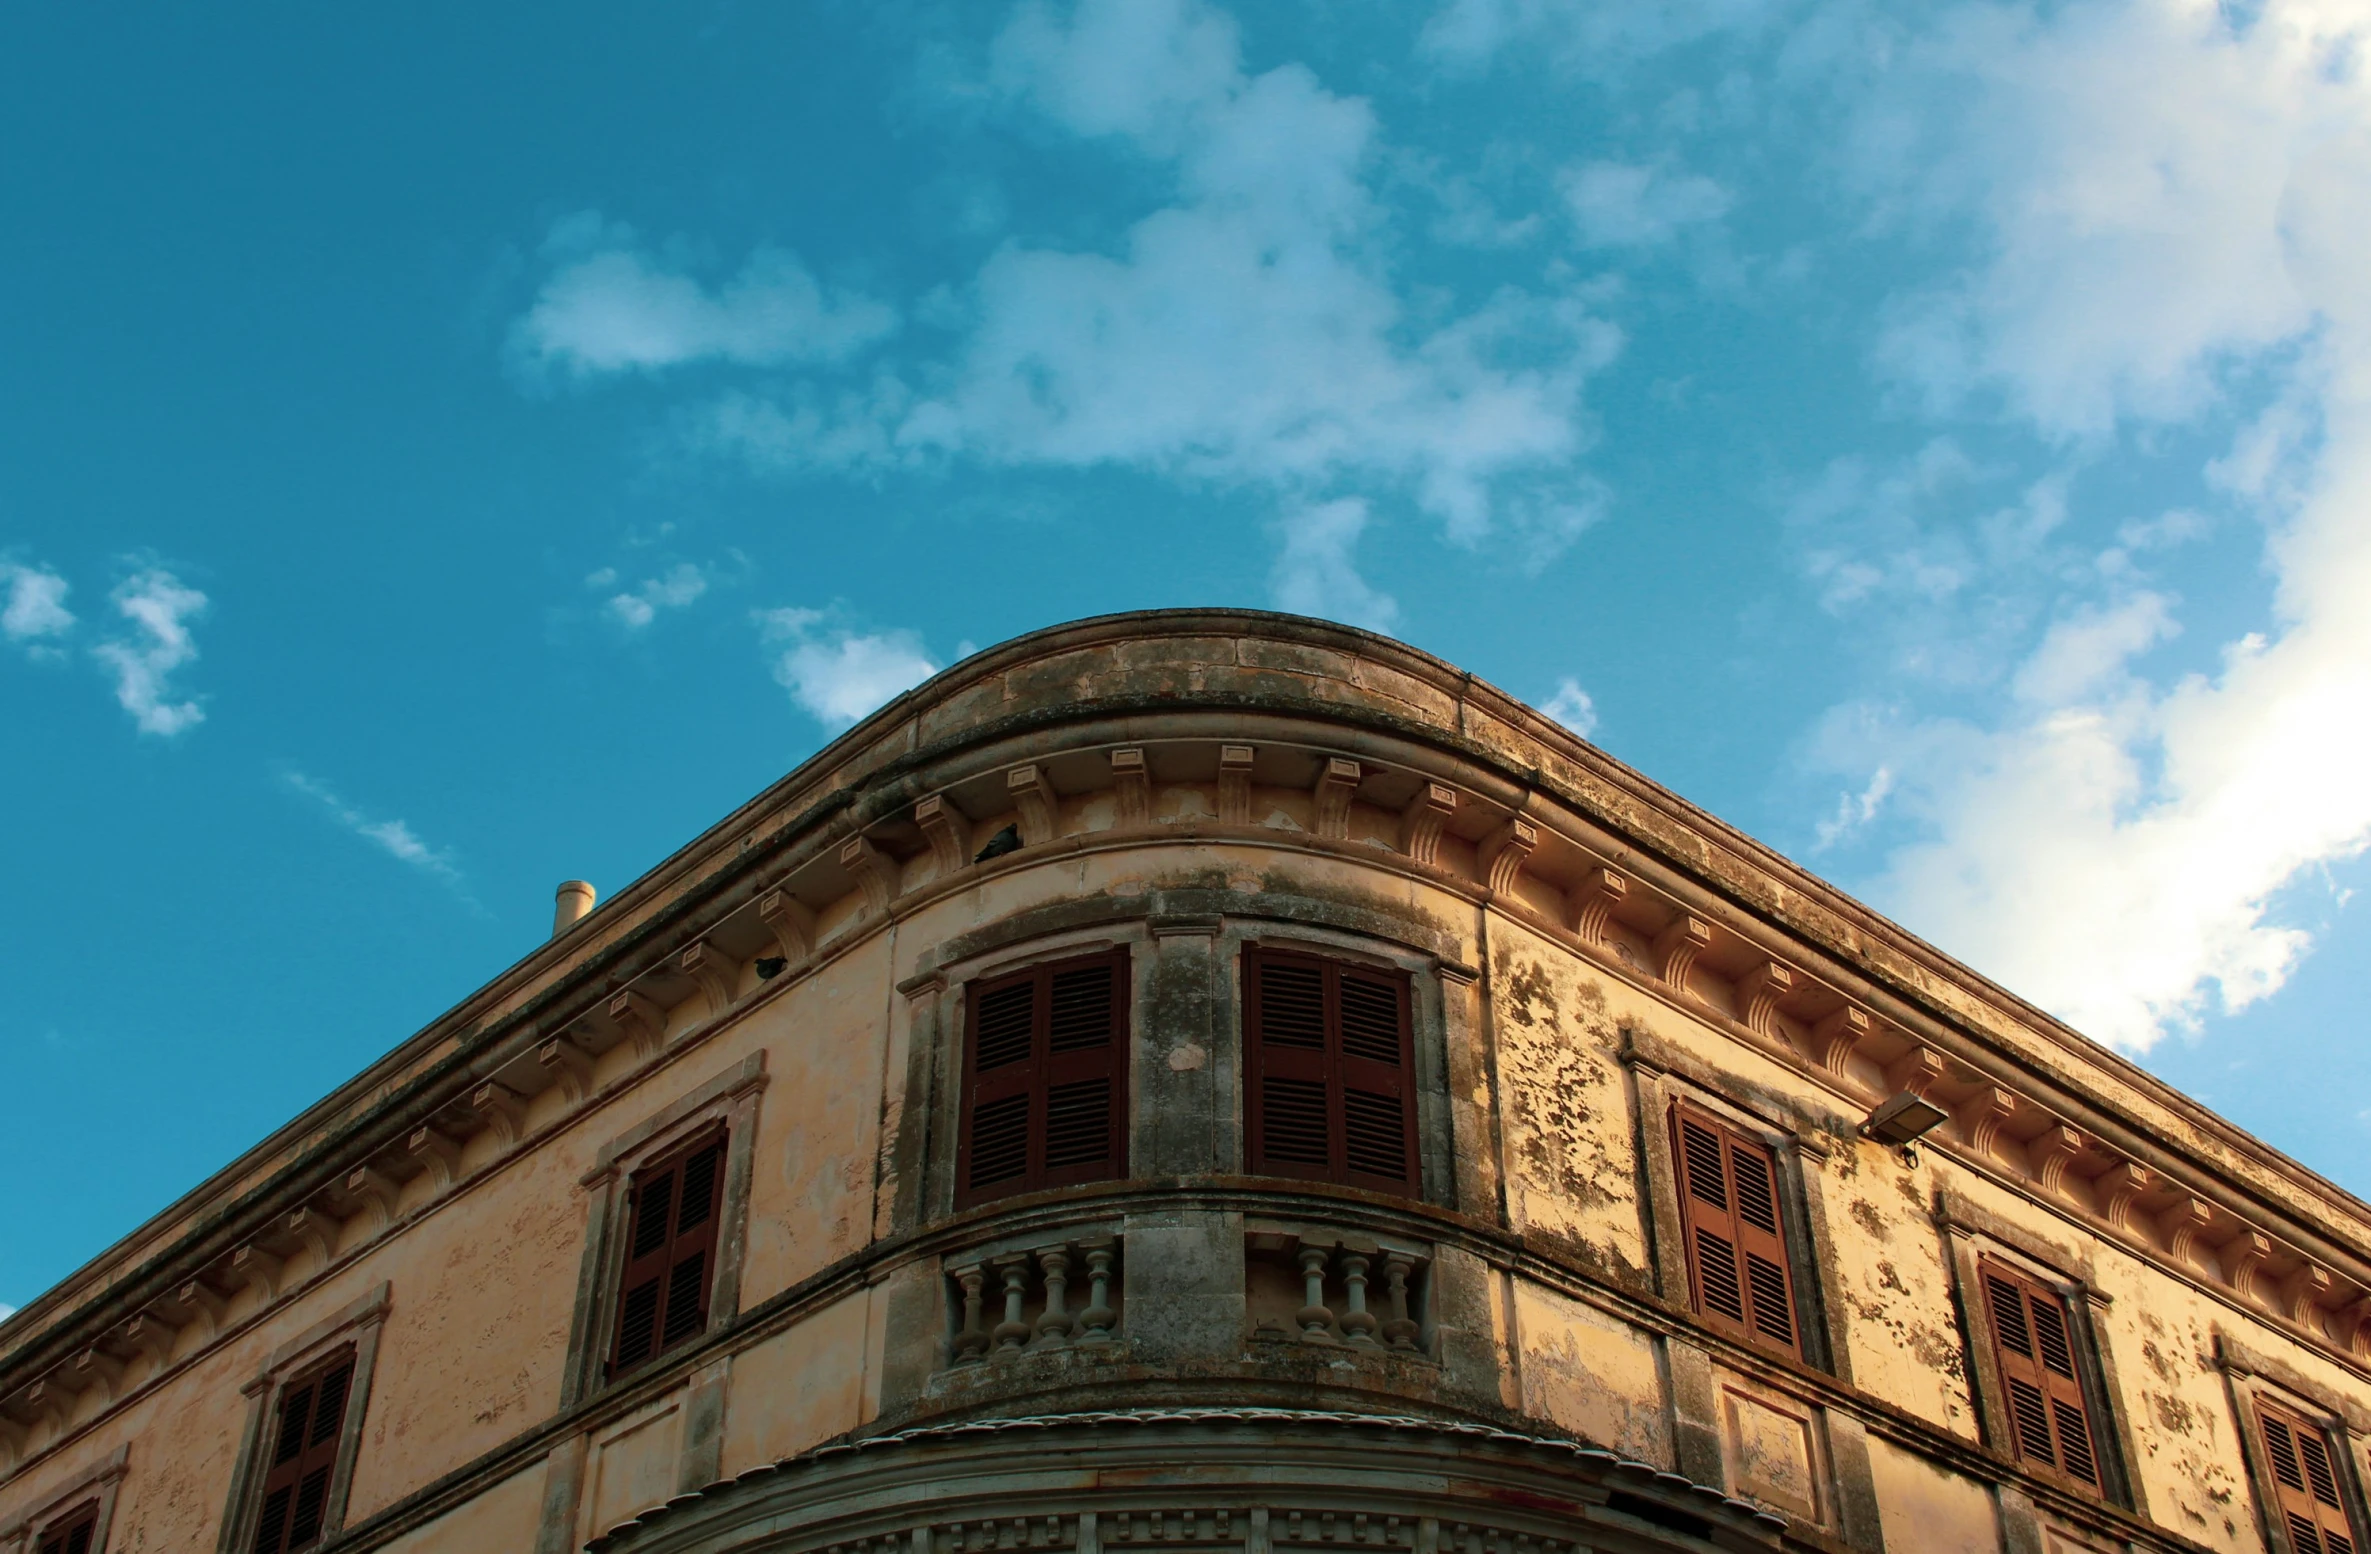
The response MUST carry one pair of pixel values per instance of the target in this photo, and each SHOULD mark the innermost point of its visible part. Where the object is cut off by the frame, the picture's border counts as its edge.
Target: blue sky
(443, 457)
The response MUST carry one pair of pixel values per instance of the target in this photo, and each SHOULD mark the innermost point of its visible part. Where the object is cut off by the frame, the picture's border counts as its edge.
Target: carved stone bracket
(1593, 901)
(641, 1018)
(316, 1232)
(2182, 1229)
(1504, 852)
(1676, 949)
(2051, 1157)
(2243, 1258)
(874, 871)
(949, 832)
(500, 1109)
(97, 1368)
(2117, 1189)
(438, 1155)
(1337, 785)
(1915, 1070)
(1132, 782)
(1983, 1116)
(1835, 1037)
(717, 973)
(1234, 785)
(1758, 993)
(258, 1270)
(1421, 822)
(570, 1069)
(788, 919)
(1033, 797)
(152, 1336)
(2303, 1292)
(200, 1300)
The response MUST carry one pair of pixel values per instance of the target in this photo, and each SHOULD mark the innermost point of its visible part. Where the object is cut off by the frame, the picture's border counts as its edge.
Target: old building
(1200, 1081)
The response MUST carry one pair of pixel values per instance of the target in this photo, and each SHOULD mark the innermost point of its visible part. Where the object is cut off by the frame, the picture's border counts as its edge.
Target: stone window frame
(360, 1325)
(729, 1099)
(2251, 1377)
(1972, 1233)
(100, 1482)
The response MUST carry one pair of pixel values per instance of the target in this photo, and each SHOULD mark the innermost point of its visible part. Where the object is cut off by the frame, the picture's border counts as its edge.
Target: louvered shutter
(1045, 1079)
(72, 1533)
(2305, 1478)
(306, 1432)
(2033, 1344)
(1332, 1092)
(1740, 1277)
(663, 1291)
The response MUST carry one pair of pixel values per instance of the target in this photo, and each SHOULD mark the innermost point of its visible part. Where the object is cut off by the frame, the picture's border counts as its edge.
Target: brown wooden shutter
(2033, 1344)
(2305, 1478)
(72, 1533)
(1739, 1275)
(663, 1291)
(1045, 1066)
(307, 1430)
(1332, 1091)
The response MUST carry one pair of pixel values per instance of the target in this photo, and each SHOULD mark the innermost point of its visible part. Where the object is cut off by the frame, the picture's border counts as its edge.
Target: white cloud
(678, 587)
(618, 310)
(1572, 707)
(1854, 810)
(393, 837)
(836, 674)
(2174, 203)
(1316, 574)
(160, 606)
(1590, 35)
(1628, 205)
(36, 608)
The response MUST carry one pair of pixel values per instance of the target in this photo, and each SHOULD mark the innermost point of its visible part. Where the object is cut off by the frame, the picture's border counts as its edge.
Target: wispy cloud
(838, 674)
(159, 607)
(35, 614)
(676, 588)
(1630, 205)
(1854, 810)
(395, 838)
(1317, 572)
(1572, 707)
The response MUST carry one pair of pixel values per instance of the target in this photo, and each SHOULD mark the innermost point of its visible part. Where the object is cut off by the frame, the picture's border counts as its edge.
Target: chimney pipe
(572, 901)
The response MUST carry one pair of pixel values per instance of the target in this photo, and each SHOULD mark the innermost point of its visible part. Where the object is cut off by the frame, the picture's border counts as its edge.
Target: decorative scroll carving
(1758, 993)
(1503, 852)
(152, 1336)
(1234, 785)
(2182, 1229)
(1915, 1070)
(199, 1299)
(317, 1233)
(570, 1069)
(717, 973)
(788, 919)
(1133, 782)
(1337, 785)
(2243, 1258)
(1983, 1116)
(1421, 822)
(97, 1368)
(1593, 901)
(259, 1271)
(1676, 949)
(1033, 796)
(2302, 1294)
(641, 1019)
(1834, 1038)
(873, 870)
(949, 832)
(2051, 1157)
(438, 1155)
(501, 1110)
(2117, 1189)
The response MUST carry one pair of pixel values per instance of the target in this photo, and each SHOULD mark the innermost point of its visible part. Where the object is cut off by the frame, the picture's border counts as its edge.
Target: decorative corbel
(566, 1062)
(199, 1299)
(1234, 785)
(1337, 785)
(51, 1399)
(2182, 1229)
(317, 1232)
(2118, 1188)
(1422, 820)
(2243, 1257)
(1033, 796)
(1503, 851)
(377, 1192)
(1915, 1070)
(1758, 993)
(791, 923)
(2350, 1326)
(437, 1154)
(875, 873)
(259, 1271)
(500, 1108)
(1835, 1037)
(949, 832)
(152, 1336)
(718, 974)
(1133, 782)
(95, 1367)
(1593, 902)
(1983, 1116)
(2302, 1294)
(640, 1018)
(2051, 1157)
(1676, 949)
(12, 1446)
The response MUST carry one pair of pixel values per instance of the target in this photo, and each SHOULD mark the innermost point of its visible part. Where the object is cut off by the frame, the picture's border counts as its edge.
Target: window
(2033, 1346)
(1739, 1274)
(670, 1252)
(73, 1533)
(2305, 1480)
(1332, 1091)
(1045, 1079)
(307, 1430)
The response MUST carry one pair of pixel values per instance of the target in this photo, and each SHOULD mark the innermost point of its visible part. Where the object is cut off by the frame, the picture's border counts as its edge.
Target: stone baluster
(1095, 1322)
(971, 1345)
(1399, 1330)
(1316, 1321)
(1012, 1333)
(1358, 1323)
(1053, 1324)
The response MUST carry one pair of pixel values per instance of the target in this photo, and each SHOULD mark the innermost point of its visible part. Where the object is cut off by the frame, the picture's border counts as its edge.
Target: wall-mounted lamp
(1903, 1120)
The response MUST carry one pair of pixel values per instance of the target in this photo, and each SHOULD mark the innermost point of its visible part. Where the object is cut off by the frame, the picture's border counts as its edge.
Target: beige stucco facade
(1583, 951)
